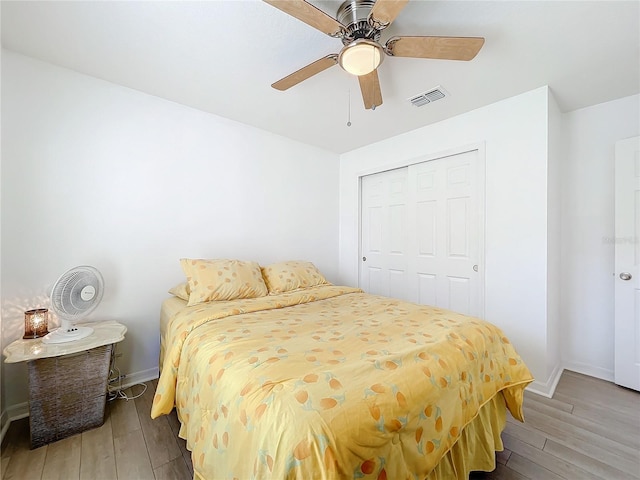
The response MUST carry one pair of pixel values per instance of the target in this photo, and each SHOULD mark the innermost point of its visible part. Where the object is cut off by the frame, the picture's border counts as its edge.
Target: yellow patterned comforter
(329, 382)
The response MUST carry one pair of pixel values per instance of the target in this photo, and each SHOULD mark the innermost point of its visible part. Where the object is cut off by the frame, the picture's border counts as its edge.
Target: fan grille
(77, 293)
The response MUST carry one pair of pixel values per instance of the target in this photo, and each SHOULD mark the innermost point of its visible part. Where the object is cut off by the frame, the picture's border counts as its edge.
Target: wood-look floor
(589, 430)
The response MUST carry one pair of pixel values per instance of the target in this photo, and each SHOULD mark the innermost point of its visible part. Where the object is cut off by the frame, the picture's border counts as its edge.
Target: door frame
(480, 148)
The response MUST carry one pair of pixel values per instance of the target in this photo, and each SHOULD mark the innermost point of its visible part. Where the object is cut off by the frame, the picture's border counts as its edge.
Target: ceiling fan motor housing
(354, 15)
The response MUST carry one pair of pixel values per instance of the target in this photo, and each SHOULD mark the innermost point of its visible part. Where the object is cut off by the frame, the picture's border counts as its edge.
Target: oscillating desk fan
(75, 295)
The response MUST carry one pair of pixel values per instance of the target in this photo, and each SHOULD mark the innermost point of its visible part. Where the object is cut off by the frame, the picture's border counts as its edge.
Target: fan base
(70, 335)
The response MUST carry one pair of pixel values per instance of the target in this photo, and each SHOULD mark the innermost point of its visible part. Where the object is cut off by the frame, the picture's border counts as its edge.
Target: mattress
(168, 310)
(330, 382)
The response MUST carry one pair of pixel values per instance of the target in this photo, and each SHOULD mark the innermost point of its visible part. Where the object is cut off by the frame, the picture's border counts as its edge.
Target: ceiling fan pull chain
(349, 110)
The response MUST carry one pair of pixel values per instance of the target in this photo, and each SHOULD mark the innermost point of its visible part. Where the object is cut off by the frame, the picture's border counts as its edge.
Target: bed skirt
(475, 449)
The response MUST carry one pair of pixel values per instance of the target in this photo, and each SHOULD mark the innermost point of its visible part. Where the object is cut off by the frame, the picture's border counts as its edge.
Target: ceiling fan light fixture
(361, 57)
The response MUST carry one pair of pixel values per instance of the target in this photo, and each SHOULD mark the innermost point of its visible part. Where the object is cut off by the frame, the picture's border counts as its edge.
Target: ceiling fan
(359, 24)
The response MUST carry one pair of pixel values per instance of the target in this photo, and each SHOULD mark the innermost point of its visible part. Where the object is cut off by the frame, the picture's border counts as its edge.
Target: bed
(304, 379)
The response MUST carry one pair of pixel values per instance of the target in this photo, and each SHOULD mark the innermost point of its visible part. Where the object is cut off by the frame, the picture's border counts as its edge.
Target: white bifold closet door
(421, 238)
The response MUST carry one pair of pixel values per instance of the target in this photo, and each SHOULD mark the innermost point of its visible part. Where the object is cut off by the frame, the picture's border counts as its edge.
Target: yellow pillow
(293, 275)
(211, 280)
(181, 291)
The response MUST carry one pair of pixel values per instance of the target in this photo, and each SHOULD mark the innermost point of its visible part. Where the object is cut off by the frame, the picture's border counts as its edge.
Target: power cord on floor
(114, 385)
(116, 391)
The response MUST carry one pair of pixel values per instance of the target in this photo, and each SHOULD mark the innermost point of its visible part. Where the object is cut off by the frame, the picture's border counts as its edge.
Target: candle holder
(36, 323)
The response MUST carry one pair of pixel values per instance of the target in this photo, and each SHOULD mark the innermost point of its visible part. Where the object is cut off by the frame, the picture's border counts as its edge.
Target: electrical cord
(116, 391)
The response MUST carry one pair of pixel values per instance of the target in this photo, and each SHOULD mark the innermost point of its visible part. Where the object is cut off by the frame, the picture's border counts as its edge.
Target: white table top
(104, 333)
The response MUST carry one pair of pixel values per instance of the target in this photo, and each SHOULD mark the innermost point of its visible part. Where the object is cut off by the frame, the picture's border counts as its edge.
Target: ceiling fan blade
(385, 11)
(370, 88)
(443, 48)
(306, 72)
(310, 15)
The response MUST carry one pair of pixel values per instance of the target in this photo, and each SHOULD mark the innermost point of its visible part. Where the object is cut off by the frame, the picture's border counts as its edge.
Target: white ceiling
(222, 56)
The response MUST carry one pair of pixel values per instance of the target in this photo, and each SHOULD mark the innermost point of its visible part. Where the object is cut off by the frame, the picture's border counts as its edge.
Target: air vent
(428, 97)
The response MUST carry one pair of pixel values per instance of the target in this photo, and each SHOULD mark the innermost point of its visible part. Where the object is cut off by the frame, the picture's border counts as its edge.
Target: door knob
(364, 259)
(625, 276)
(475, 268)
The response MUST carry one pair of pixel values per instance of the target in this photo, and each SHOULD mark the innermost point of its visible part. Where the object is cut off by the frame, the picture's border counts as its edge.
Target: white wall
(94, 173)
(588, 233)
(130, 183)
(557, 152)
(515, 135)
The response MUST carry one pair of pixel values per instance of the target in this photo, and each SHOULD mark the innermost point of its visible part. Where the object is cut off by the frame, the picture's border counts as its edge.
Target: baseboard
(590, 370)
(21, 410)
(547, 388)
(131, 379)
(14, 412)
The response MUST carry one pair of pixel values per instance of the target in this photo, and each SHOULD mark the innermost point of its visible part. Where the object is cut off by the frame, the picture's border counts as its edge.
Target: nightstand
(67, 381)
